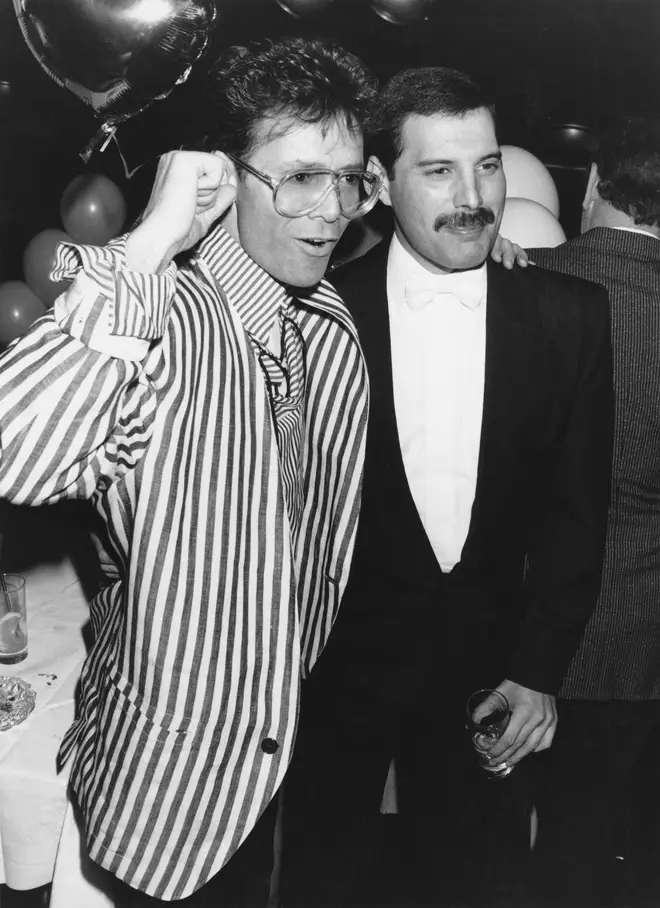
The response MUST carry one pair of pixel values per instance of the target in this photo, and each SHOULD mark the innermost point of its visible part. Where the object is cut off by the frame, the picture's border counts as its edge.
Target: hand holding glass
(488, 716)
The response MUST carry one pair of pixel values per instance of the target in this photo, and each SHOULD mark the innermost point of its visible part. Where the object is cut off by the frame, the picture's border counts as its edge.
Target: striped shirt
(265, 306)
(145, 394)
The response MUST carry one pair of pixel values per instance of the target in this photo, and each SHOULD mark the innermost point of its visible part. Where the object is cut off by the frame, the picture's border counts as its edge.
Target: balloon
(528, 178)
(19, 307)
(92, 209)
(529, 224)
(402, 12)
(300, 8)
(117, 55)
(39, 261)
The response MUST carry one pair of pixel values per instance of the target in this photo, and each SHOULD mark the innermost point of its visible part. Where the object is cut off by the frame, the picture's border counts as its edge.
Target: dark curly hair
(292, 78)
(425, 91)
(628, 162)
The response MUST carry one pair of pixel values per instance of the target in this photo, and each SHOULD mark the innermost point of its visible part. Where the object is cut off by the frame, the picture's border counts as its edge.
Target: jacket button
(269, 745)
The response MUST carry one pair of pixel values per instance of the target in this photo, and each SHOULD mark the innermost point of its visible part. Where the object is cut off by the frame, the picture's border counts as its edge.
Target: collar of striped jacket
(256, 296)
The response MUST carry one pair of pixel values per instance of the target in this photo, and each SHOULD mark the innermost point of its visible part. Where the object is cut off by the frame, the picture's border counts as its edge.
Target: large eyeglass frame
(336, 176)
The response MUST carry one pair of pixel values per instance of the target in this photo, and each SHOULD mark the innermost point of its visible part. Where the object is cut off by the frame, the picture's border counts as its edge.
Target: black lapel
(506, 400)
(363, 286)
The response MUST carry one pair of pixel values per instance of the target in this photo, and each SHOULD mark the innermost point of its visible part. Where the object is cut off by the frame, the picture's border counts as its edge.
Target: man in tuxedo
(481, 536)
(609, 706)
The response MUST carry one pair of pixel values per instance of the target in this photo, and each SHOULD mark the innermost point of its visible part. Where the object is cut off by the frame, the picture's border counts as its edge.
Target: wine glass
(488, 714)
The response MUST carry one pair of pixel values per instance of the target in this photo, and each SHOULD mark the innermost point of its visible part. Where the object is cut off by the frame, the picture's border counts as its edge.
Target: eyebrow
(297, 164)
(486, 157)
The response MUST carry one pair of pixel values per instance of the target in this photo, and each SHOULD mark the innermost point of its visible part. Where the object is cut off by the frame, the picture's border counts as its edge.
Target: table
(33, 796)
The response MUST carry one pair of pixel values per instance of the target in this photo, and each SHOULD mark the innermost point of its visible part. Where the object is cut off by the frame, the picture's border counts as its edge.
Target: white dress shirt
(438, 362)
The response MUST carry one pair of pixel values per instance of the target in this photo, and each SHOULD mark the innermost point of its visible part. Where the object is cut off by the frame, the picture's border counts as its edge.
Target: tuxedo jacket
(619, 657)
(516, 604)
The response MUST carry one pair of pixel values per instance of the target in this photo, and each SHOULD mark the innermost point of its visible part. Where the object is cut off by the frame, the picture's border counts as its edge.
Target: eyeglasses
(301, 191)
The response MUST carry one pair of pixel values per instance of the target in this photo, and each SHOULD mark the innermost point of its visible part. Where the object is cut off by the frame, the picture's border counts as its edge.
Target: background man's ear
(374, 166)
(591, 193)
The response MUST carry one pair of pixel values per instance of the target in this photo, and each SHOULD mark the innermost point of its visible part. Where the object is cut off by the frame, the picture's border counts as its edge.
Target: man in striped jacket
(214, 412)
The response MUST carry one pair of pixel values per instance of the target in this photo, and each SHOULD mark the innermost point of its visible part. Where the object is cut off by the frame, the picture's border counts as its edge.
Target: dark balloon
(402, 12)
(92, 209)
(117, 55)
(300, 8)
(38, 262)
(19, 307)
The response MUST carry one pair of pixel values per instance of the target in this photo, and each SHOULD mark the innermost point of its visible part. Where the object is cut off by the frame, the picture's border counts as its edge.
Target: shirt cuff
(107, 307)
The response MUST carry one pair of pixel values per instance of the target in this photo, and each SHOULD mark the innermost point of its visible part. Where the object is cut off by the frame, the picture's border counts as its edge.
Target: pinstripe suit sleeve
(567, 542)
(76, 406)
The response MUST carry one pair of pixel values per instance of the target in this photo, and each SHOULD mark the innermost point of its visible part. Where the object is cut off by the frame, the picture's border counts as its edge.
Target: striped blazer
(190, 693)
(619, 657)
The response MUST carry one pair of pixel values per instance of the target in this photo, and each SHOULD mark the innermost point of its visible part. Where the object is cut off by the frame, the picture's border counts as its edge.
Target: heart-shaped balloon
(117, 55)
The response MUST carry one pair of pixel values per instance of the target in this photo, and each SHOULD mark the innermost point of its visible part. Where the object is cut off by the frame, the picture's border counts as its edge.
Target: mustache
(466, 220)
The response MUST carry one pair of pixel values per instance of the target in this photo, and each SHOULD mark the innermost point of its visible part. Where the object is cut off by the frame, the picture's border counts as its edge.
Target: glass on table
(13, 619)
(488, 715)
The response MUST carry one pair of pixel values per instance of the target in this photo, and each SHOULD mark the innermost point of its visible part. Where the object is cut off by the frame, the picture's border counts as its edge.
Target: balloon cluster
(93, 211)
(531, 212)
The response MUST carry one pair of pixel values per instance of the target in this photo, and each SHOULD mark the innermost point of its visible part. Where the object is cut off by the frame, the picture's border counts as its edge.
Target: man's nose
(468, 194)
(328, 208)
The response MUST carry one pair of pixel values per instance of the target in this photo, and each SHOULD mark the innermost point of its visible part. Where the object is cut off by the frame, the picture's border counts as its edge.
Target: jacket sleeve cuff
(107, 307)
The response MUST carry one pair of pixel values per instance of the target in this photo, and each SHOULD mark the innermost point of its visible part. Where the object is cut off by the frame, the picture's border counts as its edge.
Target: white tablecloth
(33, 796)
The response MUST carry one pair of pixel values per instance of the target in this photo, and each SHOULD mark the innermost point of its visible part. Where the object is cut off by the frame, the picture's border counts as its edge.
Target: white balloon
(529, 178)
(529, 224)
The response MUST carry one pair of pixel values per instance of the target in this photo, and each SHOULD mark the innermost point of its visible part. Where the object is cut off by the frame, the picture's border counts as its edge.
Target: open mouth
(318, 244)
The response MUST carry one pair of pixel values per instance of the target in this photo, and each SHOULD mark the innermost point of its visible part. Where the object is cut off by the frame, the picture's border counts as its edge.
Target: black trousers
(598, 805)
(462, 838)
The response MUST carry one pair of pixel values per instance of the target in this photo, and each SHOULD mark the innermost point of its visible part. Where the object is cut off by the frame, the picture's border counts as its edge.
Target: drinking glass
(13, 620)
(488, 714)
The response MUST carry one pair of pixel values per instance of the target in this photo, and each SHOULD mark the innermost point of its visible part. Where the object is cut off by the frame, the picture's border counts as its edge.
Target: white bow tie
(466, 286)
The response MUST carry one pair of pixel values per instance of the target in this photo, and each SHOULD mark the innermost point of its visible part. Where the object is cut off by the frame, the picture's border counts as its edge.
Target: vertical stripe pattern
(199, 645)
(619, 657)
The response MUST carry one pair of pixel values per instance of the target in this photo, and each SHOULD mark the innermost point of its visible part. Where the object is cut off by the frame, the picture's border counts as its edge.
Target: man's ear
(374, 166)
(231, 173)
(591, 193)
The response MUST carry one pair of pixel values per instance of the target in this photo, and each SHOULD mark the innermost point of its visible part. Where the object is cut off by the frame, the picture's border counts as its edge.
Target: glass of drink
(488, 714)
(13, 619)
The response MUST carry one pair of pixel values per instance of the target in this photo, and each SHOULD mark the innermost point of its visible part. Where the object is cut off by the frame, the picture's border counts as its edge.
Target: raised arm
(76, 398)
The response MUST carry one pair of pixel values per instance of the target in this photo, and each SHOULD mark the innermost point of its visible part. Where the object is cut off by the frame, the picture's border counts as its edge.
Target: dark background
(548, 61)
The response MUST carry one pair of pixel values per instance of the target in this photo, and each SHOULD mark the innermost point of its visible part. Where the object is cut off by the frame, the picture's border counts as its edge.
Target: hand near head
(191, 191)
(531, 727)
(508, 253)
